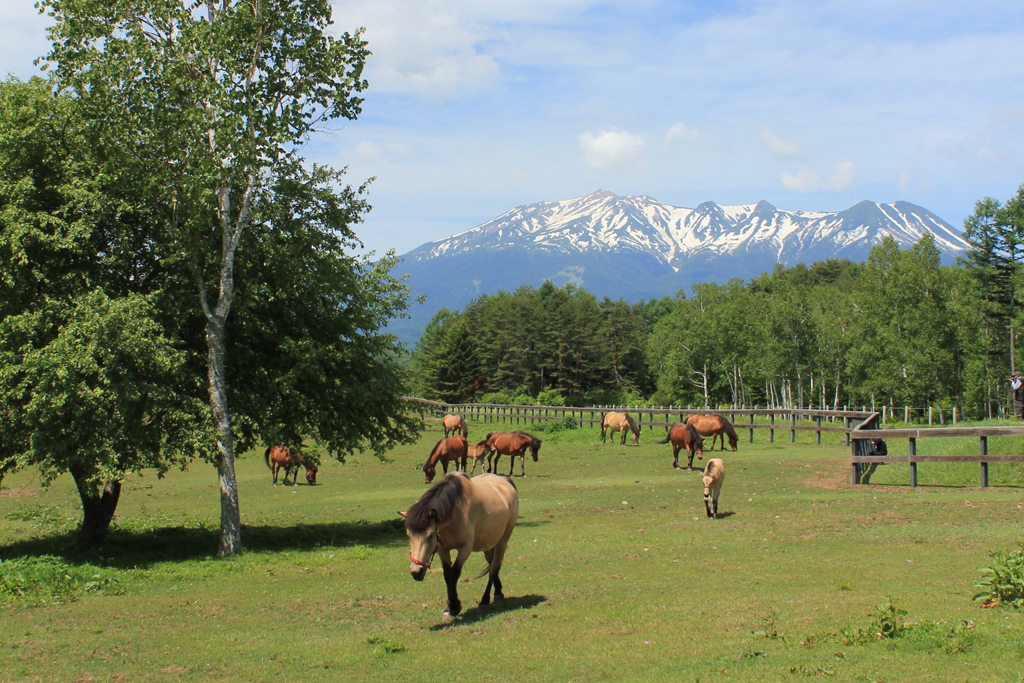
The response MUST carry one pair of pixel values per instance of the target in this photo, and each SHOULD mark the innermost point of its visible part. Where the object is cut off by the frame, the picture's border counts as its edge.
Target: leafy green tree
(90, 381)
(448, 358)
(206, 107)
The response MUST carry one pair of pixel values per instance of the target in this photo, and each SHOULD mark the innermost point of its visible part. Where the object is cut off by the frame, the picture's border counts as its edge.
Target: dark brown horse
(619, 422)
(715, 426)
(683, 435)
(280, 457)
(513, 444)
(446, 450)
(466, 516)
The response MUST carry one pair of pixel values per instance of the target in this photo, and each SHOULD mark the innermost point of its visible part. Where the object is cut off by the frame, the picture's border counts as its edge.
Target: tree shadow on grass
(128, 549)
(475, 614)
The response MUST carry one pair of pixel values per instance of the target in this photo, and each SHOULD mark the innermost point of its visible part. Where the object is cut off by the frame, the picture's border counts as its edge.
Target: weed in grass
(359, 552)
(887, 622)
(770, 629)
(49, 580)
(381, 646)
(1003, 579)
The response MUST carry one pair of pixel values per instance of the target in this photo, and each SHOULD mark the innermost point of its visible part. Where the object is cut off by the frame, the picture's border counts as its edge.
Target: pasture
(613, 573)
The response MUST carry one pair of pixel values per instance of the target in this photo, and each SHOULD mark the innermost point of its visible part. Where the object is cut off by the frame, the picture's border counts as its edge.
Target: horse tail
(266, 456)
(484, 572)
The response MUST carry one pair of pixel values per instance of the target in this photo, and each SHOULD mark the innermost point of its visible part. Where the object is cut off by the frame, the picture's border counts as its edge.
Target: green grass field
(613, 573)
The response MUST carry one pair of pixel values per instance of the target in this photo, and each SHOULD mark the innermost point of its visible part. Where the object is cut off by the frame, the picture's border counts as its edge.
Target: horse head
(311, 470)
(635, 429)
(428, 472)
(534, 447)
(707, 481)
(733, 442)
(422, 546)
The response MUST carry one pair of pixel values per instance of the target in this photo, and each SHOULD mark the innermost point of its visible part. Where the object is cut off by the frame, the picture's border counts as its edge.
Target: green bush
(1003, 579)
(48, 580)
(550, 397)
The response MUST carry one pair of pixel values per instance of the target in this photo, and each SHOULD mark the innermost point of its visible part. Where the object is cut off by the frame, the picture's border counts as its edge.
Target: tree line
(899, 328)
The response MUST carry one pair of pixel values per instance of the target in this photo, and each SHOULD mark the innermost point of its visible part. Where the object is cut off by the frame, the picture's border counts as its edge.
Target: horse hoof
(484, 605)
(499, 597)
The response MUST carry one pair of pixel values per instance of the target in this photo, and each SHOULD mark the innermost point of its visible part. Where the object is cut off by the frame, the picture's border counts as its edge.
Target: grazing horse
(281, 457)
(513, 444)
(715, 426)
(465, 515)
(714, 475)
(476, 453)
(455, 423)
(446, 450)
(619, 422)
(683, 435)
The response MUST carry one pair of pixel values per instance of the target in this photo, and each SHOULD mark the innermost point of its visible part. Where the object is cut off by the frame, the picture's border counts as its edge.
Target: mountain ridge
(634, 246)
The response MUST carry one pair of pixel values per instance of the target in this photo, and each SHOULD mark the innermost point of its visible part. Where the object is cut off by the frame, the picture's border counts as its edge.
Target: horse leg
(444, 465)
(486, 599)
(675, 456)
(604, 430)
(714, 506)
(707, 506)
(689, 464)
(452, 572)
(273, 473)
(513, 468)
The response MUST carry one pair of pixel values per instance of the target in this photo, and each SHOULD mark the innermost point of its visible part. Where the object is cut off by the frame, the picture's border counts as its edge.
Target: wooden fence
(863, 433)
(778, 419)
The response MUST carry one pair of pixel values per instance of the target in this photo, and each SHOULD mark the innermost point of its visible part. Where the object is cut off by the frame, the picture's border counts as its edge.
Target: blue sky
(476, 107)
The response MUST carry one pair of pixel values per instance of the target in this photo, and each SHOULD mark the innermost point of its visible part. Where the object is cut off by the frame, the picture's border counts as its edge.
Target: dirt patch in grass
(18, 492)
(835, 477)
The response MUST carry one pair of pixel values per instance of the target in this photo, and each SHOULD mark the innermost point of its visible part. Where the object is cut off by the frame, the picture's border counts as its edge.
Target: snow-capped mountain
(637, 247)
(603, 221)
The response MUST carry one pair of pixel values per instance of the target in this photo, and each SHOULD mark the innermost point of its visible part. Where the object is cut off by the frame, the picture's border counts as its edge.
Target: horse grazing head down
(697, 440)
(634, 429)
(435, 507)
(311, 469)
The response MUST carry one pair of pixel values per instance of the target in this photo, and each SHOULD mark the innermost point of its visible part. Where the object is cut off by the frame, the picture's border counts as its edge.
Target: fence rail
(867, 431)
(779, 419)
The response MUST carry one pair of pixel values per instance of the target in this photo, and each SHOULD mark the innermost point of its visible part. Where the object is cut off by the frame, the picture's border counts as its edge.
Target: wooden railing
(863, 433)
(779, 419)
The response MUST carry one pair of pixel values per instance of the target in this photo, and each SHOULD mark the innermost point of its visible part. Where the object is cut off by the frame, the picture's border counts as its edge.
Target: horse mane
(534, 441)
(632, 424)
(729, 429)
(694, 434)
(441, 499)
(430, 458)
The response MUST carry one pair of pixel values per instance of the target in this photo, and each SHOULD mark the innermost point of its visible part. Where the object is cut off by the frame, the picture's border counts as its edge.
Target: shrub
(47, 580)
(550, 397)
(1003, 579)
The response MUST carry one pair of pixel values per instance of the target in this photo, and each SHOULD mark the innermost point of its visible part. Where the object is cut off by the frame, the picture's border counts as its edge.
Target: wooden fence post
(819, 430)
(929, 416)
(984, 465)
(752, 426)
(913, 465)
(771, 428)
(906, 414)
(792, 425)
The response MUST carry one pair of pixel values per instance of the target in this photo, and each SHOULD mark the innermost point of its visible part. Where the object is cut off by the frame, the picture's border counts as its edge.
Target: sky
(474, 108)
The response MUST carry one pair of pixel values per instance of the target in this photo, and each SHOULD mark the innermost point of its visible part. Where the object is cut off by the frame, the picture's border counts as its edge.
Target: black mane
(441, 499)
(729, 429)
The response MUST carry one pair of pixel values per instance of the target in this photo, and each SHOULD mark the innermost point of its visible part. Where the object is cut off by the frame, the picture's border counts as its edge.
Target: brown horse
(465, 515)
(455, 423)
(619, 422)
(683, 435)
(513, 444)
(476, 454)
(281, 457)
(446, 450)
(715, 426)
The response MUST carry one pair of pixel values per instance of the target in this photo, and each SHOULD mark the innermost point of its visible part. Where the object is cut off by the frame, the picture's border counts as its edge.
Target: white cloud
(809, 180)
(428, 47)
(612, 150)
(679, 131)
(779, 147)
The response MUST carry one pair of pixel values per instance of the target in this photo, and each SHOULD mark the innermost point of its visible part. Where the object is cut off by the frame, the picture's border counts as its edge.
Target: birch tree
(204, 105)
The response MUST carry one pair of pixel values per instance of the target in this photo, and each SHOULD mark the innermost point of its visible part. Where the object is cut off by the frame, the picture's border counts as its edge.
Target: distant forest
(900, 329)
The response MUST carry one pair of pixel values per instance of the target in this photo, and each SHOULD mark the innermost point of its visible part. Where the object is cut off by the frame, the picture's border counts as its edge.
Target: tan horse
(714, 475)
(715, 426)
(281, 457)
(455, 423)
(476, 453)
(619, 422)
(513, 444)
(446, 450)
(683, 435)
(467, 516)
